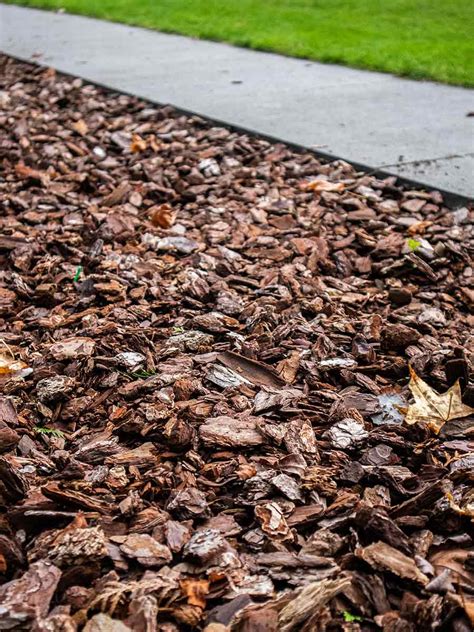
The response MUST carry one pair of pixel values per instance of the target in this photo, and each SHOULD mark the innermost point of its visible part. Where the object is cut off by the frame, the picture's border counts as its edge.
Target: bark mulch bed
(206, 345)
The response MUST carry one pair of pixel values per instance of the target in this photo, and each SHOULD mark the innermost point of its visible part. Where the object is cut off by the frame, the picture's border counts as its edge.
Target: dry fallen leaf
(195, 591)
(319, 185)
(80, 127)
(418, 228)
(162, 215)
(138, 144)
(464, 508)
(9, 367)
(432, 408)
(49, 73)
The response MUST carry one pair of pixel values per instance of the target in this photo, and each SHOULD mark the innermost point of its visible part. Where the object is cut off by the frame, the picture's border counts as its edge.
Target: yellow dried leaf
(464, 508)
(195, 591)
(80, 127)
(138, 144)
(246, 471)
(10, 367)
(49, 73)
(432, 408)
(419, 228)
(162, 216)
(319, 185)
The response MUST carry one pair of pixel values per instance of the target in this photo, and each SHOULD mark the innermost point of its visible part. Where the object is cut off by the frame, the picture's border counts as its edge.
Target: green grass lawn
(423, 39)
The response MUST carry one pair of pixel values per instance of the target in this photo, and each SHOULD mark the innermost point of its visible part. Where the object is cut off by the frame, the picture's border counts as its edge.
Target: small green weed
(413, 244)
(349, 617)
(78, 274)
(53, 432)
(143, 373)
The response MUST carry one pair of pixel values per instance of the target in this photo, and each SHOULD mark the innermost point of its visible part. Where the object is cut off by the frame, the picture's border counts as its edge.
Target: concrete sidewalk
(416, 129)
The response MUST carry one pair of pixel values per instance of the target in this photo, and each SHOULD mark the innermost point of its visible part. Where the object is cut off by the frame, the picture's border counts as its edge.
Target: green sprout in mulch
(413, 244)
(349, 617)
(143, 373)
(53, 432)
(78, 274)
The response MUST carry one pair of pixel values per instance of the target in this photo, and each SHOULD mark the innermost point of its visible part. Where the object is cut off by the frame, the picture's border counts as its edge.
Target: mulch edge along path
(236, 379)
